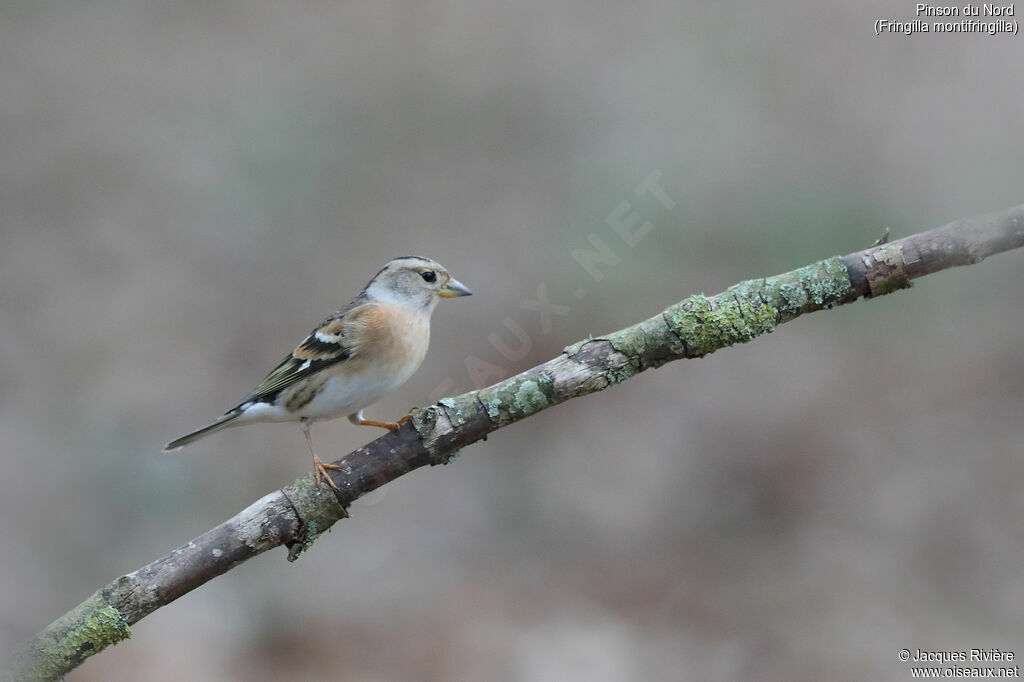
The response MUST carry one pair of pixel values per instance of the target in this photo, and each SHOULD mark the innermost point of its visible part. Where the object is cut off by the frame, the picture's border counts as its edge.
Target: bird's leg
(358, 420)
(319, 468)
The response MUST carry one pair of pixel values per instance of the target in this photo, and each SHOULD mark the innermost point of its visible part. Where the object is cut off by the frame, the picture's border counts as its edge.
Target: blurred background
(187, 188)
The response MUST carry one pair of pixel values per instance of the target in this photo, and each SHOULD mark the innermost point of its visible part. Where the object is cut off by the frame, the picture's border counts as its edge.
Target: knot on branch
(884, 269)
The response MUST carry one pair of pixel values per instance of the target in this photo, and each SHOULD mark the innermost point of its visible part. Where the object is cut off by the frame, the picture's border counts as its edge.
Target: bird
(352, 359)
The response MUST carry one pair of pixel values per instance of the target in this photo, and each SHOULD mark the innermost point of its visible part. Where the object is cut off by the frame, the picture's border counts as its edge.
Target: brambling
(357, 355)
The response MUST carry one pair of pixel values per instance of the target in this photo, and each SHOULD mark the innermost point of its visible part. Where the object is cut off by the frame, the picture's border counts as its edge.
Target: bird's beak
(453, 289)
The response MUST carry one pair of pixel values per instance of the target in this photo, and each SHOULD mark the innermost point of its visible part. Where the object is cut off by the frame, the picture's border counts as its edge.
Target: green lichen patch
(619, 373)
(493, 409)
(310, 504)
(646, 344)
(826, 282)
(96, 625)
(461, 408)
(706, 324)
(89, 628)
(312, 532)
(518, 397)
(812, 287)
(791, 299)
(101, 629)
(529, 398)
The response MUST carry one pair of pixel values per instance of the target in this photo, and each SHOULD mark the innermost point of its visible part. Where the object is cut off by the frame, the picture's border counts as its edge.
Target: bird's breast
(394, 338)
(392, 343)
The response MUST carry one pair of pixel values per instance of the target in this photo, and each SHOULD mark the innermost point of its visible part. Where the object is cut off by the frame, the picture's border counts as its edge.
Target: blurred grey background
(187, 188)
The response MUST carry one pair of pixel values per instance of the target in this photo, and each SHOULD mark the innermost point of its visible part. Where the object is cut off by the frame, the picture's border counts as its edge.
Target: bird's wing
(334, 340)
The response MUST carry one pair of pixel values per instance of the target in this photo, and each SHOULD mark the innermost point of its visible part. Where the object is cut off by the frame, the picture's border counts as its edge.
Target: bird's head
(414, 282)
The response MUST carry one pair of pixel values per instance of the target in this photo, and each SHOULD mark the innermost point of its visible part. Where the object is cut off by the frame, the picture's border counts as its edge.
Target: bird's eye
(429, 276)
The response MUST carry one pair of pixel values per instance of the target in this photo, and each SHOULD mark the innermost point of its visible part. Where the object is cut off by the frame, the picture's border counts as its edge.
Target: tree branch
(297, 514)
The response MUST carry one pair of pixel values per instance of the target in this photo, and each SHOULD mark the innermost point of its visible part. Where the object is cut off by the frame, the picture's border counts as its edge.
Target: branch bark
(298, 513)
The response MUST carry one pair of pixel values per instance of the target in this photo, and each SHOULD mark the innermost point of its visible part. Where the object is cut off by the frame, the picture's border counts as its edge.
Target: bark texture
(297, 514)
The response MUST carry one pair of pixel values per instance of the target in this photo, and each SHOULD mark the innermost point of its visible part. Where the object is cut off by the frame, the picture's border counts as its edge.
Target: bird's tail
(223, 422)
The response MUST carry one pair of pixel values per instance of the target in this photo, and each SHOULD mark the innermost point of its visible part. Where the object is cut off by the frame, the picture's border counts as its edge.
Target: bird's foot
(358, 420)
(320, 469)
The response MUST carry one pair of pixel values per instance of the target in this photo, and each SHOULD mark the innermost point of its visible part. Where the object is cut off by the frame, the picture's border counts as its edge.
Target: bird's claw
(320, 469)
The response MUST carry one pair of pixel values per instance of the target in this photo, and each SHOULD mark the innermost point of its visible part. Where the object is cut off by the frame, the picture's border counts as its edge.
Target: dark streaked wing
(315, 349)
(291, 370)
(326, 345)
